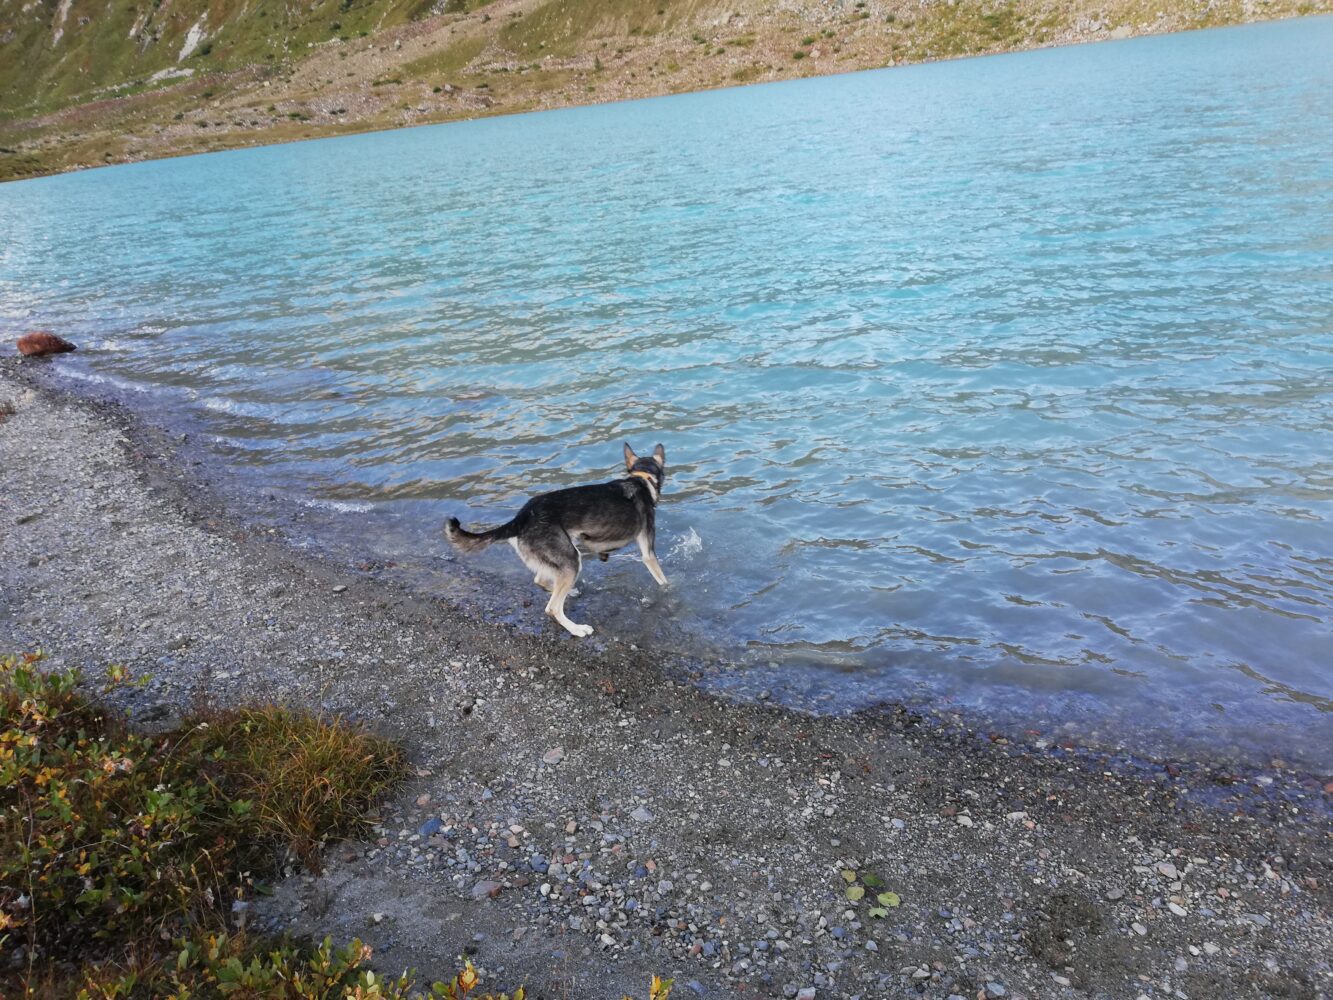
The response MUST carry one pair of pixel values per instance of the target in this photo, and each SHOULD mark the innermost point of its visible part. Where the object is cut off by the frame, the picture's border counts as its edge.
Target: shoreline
(719, 665)
(691, 836)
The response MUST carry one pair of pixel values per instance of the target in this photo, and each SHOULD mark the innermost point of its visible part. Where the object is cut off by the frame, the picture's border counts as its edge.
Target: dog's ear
(659, 453)
(630, 457)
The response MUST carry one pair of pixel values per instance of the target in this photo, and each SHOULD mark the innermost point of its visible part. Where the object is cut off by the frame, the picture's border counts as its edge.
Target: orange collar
(648, 478)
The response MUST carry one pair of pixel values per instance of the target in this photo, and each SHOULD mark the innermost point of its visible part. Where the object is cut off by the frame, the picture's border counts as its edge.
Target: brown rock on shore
(40, 343)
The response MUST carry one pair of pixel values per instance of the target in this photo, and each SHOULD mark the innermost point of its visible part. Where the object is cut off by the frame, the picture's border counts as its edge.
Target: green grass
(447, 61)
(564, 27)
(970, 28)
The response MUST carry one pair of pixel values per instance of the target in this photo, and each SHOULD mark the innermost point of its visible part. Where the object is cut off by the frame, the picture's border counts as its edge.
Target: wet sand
(583, 816)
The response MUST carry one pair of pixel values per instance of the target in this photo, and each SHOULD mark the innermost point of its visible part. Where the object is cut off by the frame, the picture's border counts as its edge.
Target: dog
(550, 529)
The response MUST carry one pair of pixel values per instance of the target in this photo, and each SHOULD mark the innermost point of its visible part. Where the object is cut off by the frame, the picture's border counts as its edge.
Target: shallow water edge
(173, 452)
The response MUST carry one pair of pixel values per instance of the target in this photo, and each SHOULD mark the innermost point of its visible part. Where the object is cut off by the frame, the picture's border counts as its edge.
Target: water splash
(686, 546)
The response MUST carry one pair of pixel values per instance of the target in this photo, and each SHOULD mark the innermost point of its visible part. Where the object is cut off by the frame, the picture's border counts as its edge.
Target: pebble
(641, 815)
(1139, 928)
(554, 756)
(1114, 894)
(1177, 909)
(486, 889)
(995, 990)
(1167, 869)
(431, 826)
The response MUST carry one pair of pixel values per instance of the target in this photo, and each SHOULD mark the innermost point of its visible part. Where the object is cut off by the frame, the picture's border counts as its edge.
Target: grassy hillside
(86, 82)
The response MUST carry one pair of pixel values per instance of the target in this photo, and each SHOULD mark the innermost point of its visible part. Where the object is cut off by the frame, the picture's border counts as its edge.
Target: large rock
(41, 343)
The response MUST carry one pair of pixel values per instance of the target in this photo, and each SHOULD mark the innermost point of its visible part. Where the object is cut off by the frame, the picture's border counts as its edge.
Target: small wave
(220, 404)
(96, 378)
(111, 344)
(688, 544)
(341, 506)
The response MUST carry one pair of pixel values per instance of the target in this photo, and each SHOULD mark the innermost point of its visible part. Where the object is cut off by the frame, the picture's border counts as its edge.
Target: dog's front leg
(650, 560)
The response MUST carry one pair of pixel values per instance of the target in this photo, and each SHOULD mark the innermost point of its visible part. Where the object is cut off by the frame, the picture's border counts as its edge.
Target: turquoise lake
(1003, 384)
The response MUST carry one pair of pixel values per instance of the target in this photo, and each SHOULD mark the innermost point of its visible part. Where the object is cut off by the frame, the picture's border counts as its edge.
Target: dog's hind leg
(650, 560)
(555, 607)
(554, 556)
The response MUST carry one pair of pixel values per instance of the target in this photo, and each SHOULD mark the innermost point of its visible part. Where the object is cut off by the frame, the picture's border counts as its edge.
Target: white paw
(579, 631)
(575, 592)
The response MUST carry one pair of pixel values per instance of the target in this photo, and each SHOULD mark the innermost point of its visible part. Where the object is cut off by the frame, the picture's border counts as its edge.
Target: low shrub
(114, 842)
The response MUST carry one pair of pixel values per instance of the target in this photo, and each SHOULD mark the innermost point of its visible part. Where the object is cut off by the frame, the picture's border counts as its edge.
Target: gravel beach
(582, 817)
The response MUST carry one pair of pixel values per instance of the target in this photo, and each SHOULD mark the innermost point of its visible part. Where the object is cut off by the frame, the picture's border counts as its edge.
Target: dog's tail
(467, 541)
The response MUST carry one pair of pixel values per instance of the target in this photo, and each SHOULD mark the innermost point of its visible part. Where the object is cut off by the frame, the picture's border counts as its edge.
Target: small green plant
(798, 54)
(856, 884)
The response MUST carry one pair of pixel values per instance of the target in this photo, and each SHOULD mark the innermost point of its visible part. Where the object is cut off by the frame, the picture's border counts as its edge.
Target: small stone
(965, 821)
(808, 993)
(641, 815)
(1177, 909)
(486, 889)
(431, 826)
(554, 756)
(1168, 870)
(340, 588)
(1060, 980)
(1211, 949)
(871, 946)
(40, 343)
(1138, 928)
(1114, 894)
(995, 990)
